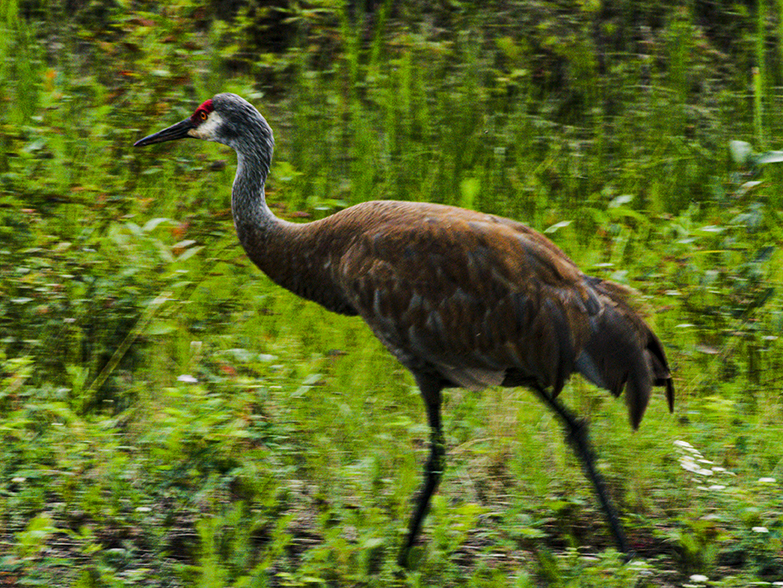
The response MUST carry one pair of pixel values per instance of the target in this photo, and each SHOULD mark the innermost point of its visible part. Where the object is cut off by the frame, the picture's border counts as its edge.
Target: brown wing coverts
(482, 300)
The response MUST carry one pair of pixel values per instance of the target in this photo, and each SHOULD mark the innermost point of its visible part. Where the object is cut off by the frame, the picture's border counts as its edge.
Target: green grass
(168, 417)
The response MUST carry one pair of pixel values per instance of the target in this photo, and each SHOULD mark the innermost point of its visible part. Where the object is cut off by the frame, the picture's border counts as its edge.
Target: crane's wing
(483, 300)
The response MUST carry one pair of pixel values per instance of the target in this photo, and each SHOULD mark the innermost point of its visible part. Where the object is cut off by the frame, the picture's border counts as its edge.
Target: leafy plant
(169, 417)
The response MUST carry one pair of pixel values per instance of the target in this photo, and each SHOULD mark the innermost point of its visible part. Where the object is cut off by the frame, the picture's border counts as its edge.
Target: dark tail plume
(623, 352)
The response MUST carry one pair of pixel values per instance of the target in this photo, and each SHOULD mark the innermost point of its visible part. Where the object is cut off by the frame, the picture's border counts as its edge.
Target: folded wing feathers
(487, 301)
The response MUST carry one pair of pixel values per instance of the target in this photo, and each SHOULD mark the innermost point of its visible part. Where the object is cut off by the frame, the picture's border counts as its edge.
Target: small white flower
(187, 378)
(699, 578)
(717, 487)
(685, 446)
(767, 480)
(143, 509)
(687, 463)
(760, 530)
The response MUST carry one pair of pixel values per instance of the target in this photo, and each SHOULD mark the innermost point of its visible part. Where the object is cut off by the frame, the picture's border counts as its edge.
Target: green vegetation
(168, 417)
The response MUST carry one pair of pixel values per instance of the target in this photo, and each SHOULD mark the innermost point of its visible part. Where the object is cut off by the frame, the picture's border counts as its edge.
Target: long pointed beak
(172, 133)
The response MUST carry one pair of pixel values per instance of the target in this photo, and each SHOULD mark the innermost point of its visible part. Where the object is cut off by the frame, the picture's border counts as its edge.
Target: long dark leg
(430, 392)
(577, 438)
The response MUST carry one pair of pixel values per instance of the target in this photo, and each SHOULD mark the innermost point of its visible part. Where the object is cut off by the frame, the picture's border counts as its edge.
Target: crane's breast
(470, 298)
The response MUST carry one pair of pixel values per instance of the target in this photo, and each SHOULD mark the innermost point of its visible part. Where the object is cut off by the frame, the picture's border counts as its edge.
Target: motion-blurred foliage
(168, 417)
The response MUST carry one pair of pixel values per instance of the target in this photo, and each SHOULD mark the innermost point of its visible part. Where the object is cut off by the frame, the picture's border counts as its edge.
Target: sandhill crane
(459, 297)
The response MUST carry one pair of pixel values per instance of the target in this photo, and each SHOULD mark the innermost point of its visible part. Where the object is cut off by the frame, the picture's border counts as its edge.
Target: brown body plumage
(461, 298)
(474, 299)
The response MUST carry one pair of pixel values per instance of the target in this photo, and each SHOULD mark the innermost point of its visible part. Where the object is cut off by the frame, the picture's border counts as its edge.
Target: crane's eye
(202, 115)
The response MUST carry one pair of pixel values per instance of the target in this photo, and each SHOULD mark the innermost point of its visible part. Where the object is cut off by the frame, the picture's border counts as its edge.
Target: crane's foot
(433, 469)
(577, 438)
(403, 558)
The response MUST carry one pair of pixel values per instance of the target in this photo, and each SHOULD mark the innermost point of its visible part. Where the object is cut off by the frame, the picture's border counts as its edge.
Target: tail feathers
(660, 368)
(623, 352)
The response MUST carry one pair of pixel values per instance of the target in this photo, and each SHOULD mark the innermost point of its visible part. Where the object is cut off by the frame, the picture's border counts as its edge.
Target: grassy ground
(171, 418)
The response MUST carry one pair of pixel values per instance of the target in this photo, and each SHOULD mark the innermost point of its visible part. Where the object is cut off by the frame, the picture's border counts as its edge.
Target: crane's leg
(577, 438)
(430, 392)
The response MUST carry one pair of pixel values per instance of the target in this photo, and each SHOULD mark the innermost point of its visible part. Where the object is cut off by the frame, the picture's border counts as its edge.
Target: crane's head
(227, 119)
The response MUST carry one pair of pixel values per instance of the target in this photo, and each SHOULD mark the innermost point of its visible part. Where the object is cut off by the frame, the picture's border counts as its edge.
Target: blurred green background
(168, 417)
